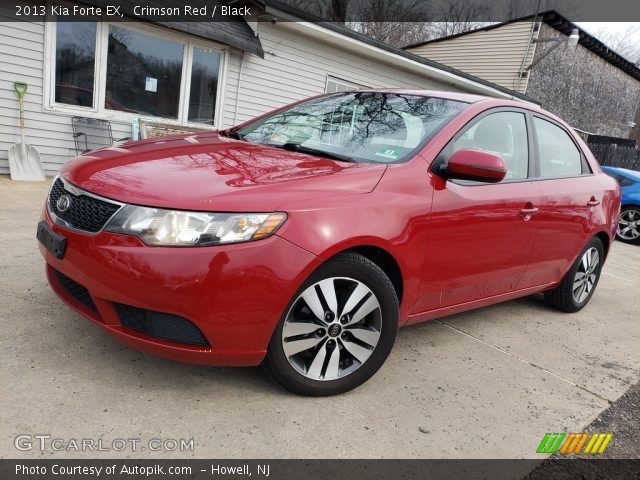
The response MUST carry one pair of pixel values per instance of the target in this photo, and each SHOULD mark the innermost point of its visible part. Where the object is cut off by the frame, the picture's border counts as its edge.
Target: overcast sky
(613, 27)
(612, 33)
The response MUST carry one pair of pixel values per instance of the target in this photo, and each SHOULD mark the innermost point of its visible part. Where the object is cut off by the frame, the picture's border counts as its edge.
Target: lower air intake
(77, 291)
(161, 325)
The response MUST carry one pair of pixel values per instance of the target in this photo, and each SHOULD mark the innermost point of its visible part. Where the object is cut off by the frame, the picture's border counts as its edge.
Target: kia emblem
(63, 203)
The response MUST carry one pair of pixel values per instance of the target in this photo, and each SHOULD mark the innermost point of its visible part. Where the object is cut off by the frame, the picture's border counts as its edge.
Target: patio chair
(92, 133)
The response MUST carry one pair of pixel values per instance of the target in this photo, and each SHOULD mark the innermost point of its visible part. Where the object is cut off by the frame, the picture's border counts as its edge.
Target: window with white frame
(75, 63)
(141, 71)
(335, 84)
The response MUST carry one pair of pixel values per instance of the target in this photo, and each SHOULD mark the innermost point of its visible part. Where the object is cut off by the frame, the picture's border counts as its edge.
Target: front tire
(581, 280)
(337, 331)
(629, 225)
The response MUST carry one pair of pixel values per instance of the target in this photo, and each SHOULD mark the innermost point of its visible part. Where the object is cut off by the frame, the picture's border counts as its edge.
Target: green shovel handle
(21, 88)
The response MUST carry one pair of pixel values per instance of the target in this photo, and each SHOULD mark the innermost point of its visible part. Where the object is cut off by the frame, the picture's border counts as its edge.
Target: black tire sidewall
(367, 273)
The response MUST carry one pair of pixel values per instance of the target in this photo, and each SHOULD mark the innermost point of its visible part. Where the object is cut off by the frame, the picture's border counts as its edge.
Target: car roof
(492, 102)
(624, 172)
(462, 97)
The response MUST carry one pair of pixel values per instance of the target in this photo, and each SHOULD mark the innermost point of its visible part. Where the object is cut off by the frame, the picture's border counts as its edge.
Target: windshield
(359, 126)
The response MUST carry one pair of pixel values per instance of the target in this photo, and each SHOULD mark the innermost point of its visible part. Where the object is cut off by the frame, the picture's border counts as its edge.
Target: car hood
(214, 173)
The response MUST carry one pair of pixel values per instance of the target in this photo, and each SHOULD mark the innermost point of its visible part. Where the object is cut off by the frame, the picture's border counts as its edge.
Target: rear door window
(559, 156)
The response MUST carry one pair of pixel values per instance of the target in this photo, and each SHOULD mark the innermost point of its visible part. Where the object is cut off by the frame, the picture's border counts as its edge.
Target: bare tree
(454, 16)
(512, 9)
(624, 42)
(311, 6)
(458, 16)
(397, 34)
(403, 28)
(338, 10)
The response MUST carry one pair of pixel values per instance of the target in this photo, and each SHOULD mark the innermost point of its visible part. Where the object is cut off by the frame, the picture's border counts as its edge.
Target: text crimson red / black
(117, 11)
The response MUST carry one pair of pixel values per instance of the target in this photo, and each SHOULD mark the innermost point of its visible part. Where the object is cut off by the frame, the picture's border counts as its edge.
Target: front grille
(76, 290)
(84, 213)
(160, 325)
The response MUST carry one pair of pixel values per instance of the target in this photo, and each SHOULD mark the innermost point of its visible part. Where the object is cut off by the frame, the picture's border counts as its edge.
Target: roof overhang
(237, 33)
(345, 39)
(563, 25)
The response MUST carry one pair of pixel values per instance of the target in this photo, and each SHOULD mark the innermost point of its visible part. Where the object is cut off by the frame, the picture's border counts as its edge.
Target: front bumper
(235, 294)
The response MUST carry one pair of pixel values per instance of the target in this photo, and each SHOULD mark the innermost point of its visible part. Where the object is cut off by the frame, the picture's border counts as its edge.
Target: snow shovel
(24, 160)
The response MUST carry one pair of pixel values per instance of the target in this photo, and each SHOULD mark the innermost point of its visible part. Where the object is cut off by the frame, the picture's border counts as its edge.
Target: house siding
(582, 88)
(295, 66)
(22, 59)
(496, 55)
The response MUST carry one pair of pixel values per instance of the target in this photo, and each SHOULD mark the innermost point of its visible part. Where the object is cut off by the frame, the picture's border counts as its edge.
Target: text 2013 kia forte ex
(303, 239)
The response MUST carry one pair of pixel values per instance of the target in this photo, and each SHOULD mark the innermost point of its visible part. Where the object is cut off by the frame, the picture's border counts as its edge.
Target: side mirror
(476, 165)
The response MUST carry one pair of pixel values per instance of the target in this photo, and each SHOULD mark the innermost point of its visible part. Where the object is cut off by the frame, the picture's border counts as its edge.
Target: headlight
(175, 228)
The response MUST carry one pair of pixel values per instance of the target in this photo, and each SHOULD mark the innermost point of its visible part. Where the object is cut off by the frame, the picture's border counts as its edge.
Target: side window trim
(586, 168)
(534, 158)
(439, 160)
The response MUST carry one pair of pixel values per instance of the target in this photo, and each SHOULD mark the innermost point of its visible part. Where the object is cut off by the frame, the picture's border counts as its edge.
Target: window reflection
(75, 62)
(204, 85)
(559, 156)
(368, 127)
(502, 133)
(143, 73)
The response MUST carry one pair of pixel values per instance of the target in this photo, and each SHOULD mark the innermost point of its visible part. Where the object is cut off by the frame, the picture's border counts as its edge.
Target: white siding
(295, 66)
(22, 59)
(494, 55)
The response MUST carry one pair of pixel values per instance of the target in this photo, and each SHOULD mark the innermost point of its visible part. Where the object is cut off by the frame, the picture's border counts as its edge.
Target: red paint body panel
(479, 246)
(208, 172)
(395, 219)
(234, 294)
(457, 247)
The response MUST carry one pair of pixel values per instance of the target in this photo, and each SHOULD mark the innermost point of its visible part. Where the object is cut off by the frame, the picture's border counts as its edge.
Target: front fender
(394, 217)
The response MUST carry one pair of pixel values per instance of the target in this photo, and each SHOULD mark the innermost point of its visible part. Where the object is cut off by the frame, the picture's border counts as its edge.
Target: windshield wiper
(234, 134)
(296, 147)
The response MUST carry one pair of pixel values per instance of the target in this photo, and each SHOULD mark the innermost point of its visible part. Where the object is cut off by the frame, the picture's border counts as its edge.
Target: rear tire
(629, 226)
(581, 280)
(337, 331)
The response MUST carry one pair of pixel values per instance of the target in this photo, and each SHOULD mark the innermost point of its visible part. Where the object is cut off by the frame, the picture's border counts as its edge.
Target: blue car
(629, 180)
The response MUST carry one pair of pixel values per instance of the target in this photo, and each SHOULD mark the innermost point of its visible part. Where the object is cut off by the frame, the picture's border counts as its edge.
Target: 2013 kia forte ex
(303, 239)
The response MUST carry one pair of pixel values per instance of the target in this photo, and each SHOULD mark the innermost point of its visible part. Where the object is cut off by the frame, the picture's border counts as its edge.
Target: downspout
(235, 113)
(526, 53)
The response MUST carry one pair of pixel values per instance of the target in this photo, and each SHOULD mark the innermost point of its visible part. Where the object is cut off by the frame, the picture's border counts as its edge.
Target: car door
(571, 194)
(481, 235)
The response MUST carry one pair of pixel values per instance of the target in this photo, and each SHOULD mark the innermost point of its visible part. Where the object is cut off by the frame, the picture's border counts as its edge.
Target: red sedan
(303, 239)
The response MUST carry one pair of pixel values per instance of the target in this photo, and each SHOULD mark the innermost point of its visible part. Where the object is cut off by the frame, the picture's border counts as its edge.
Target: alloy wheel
(629, 225)
(586, 275)
(332, 328)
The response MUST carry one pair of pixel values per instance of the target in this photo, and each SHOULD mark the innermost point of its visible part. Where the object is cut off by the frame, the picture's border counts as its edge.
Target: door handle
(527, 213)
(593, 202)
